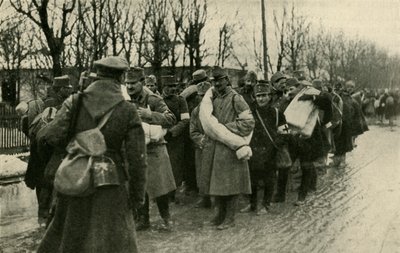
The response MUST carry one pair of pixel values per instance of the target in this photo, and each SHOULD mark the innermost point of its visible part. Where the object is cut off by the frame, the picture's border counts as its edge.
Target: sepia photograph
(200, 126)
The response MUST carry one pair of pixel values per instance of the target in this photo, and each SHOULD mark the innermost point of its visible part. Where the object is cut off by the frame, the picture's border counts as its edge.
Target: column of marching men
(206, 138)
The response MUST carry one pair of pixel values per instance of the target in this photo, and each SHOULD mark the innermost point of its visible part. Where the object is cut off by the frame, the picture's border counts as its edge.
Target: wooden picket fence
(12, 140)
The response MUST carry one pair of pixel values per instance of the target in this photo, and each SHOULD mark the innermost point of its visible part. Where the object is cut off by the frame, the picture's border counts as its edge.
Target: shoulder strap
(277, 117)
(75, 108)
(265, 129)
(105, 118)
(233, 102)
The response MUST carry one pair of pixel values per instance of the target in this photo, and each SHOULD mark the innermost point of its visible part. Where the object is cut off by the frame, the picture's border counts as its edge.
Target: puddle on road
(18, 209)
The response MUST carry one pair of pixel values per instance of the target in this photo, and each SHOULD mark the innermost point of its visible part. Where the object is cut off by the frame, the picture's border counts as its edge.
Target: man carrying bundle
(311, 142)
(228, 124)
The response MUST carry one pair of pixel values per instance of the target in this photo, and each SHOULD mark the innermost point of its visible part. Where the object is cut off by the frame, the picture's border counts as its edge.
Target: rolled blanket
(188, 91)
(218, 131)
(153, 133)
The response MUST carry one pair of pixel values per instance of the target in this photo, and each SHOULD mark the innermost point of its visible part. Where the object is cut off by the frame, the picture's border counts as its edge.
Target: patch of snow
(11, 165)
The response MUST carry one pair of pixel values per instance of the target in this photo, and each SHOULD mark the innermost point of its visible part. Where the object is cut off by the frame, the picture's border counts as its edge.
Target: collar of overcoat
(101, 96)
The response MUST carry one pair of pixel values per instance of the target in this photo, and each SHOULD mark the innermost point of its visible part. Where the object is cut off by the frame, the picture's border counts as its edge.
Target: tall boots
(230, 203)
(220, 211)
(283, 176)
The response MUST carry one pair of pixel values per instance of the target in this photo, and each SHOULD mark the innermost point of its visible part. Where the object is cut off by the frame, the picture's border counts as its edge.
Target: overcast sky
(375, 20)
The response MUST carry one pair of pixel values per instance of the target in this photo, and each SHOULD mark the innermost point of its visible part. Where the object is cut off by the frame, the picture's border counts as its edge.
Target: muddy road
(356, 209)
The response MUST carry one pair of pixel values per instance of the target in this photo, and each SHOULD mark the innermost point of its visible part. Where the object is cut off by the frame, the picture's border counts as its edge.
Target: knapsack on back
(41, 120)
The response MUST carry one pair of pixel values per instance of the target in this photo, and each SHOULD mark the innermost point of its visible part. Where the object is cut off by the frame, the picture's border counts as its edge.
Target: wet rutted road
(356, 209)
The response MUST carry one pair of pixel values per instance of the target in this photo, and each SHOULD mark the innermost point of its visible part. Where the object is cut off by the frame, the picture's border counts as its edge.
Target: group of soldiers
(188, 150)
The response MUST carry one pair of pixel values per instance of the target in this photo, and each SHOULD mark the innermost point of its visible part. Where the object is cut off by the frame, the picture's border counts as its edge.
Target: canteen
(104, 172)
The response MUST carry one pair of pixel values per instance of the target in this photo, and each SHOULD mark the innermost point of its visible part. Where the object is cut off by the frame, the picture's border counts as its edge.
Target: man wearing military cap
(153, 110)
(39, 159)
(105, 215)
(230, 176)
(175, 134)
(151, 83)
(247, 91)
(199, 76)
(59, 91)
(198, 137)
(264, 143)
(192, 97)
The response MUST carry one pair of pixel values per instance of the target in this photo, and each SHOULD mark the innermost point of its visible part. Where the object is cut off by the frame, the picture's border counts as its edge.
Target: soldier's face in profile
(262, 99)
(134, 88)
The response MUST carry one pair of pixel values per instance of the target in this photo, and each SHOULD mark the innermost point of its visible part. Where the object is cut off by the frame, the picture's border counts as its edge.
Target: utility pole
(264, 38)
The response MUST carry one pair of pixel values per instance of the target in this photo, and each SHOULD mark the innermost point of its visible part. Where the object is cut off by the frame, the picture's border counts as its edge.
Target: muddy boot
(220, 212)
(204, 202)
(313, 179)
(143, 223)
(249, 208)
(229, 220)
(167, 225)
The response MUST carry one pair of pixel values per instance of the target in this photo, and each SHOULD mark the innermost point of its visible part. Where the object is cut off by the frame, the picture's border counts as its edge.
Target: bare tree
(156, 51)
(196, 17)
(92, 18)
(38, 12)
(178, 12)
(15, 46)
(225, 45)
(280, 28)
(297, 29)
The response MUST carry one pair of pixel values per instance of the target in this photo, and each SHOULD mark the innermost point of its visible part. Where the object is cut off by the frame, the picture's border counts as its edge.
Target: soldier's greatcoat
(101, 222)
(176, 138)
(160, 176)
(227, 174)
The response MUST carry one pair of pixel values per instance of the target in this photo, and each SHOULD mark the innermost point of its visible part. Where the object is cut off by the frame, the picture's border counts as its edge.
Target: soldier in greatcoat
(198, 137)
(228, 176)
(153, 110)
(193, 99)
(175, 134)
(45, 158)
(101, 221)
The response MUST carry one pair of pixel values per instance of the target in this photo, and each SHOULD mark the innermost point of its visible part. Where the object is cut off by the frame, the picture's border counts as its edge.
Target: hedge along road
(353, 210)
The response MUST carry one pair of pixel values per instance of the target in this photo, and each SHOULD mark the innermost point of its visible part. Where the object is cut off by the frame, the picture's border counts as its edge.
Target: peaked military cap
(251, 75)
(262, 88)
(199, 76)
(277, 76)
(218, 72)
(110, 66)
(62, 81)
(151, 79)
(134, 74)
(292, 82)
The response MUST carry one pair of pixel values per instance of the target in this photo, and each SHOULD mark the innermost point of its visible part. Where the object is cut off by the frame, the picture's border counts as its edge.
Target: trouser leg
(143, 212)
(305, 182)
(163, 206)
(220, 210)
(254, 190)
(269, 185)
(230, 207)
(283, 175)
(313, 178)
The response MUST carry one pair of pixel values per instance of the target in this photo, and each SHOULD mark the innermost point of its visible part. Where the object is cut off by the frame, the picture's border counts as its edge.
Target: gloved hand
(306, 97)
(144, 112)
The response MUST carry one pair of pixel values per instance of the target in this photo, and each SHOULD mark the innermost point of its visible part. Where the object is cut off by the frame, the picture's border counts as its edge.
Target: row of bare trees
(157, 33)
